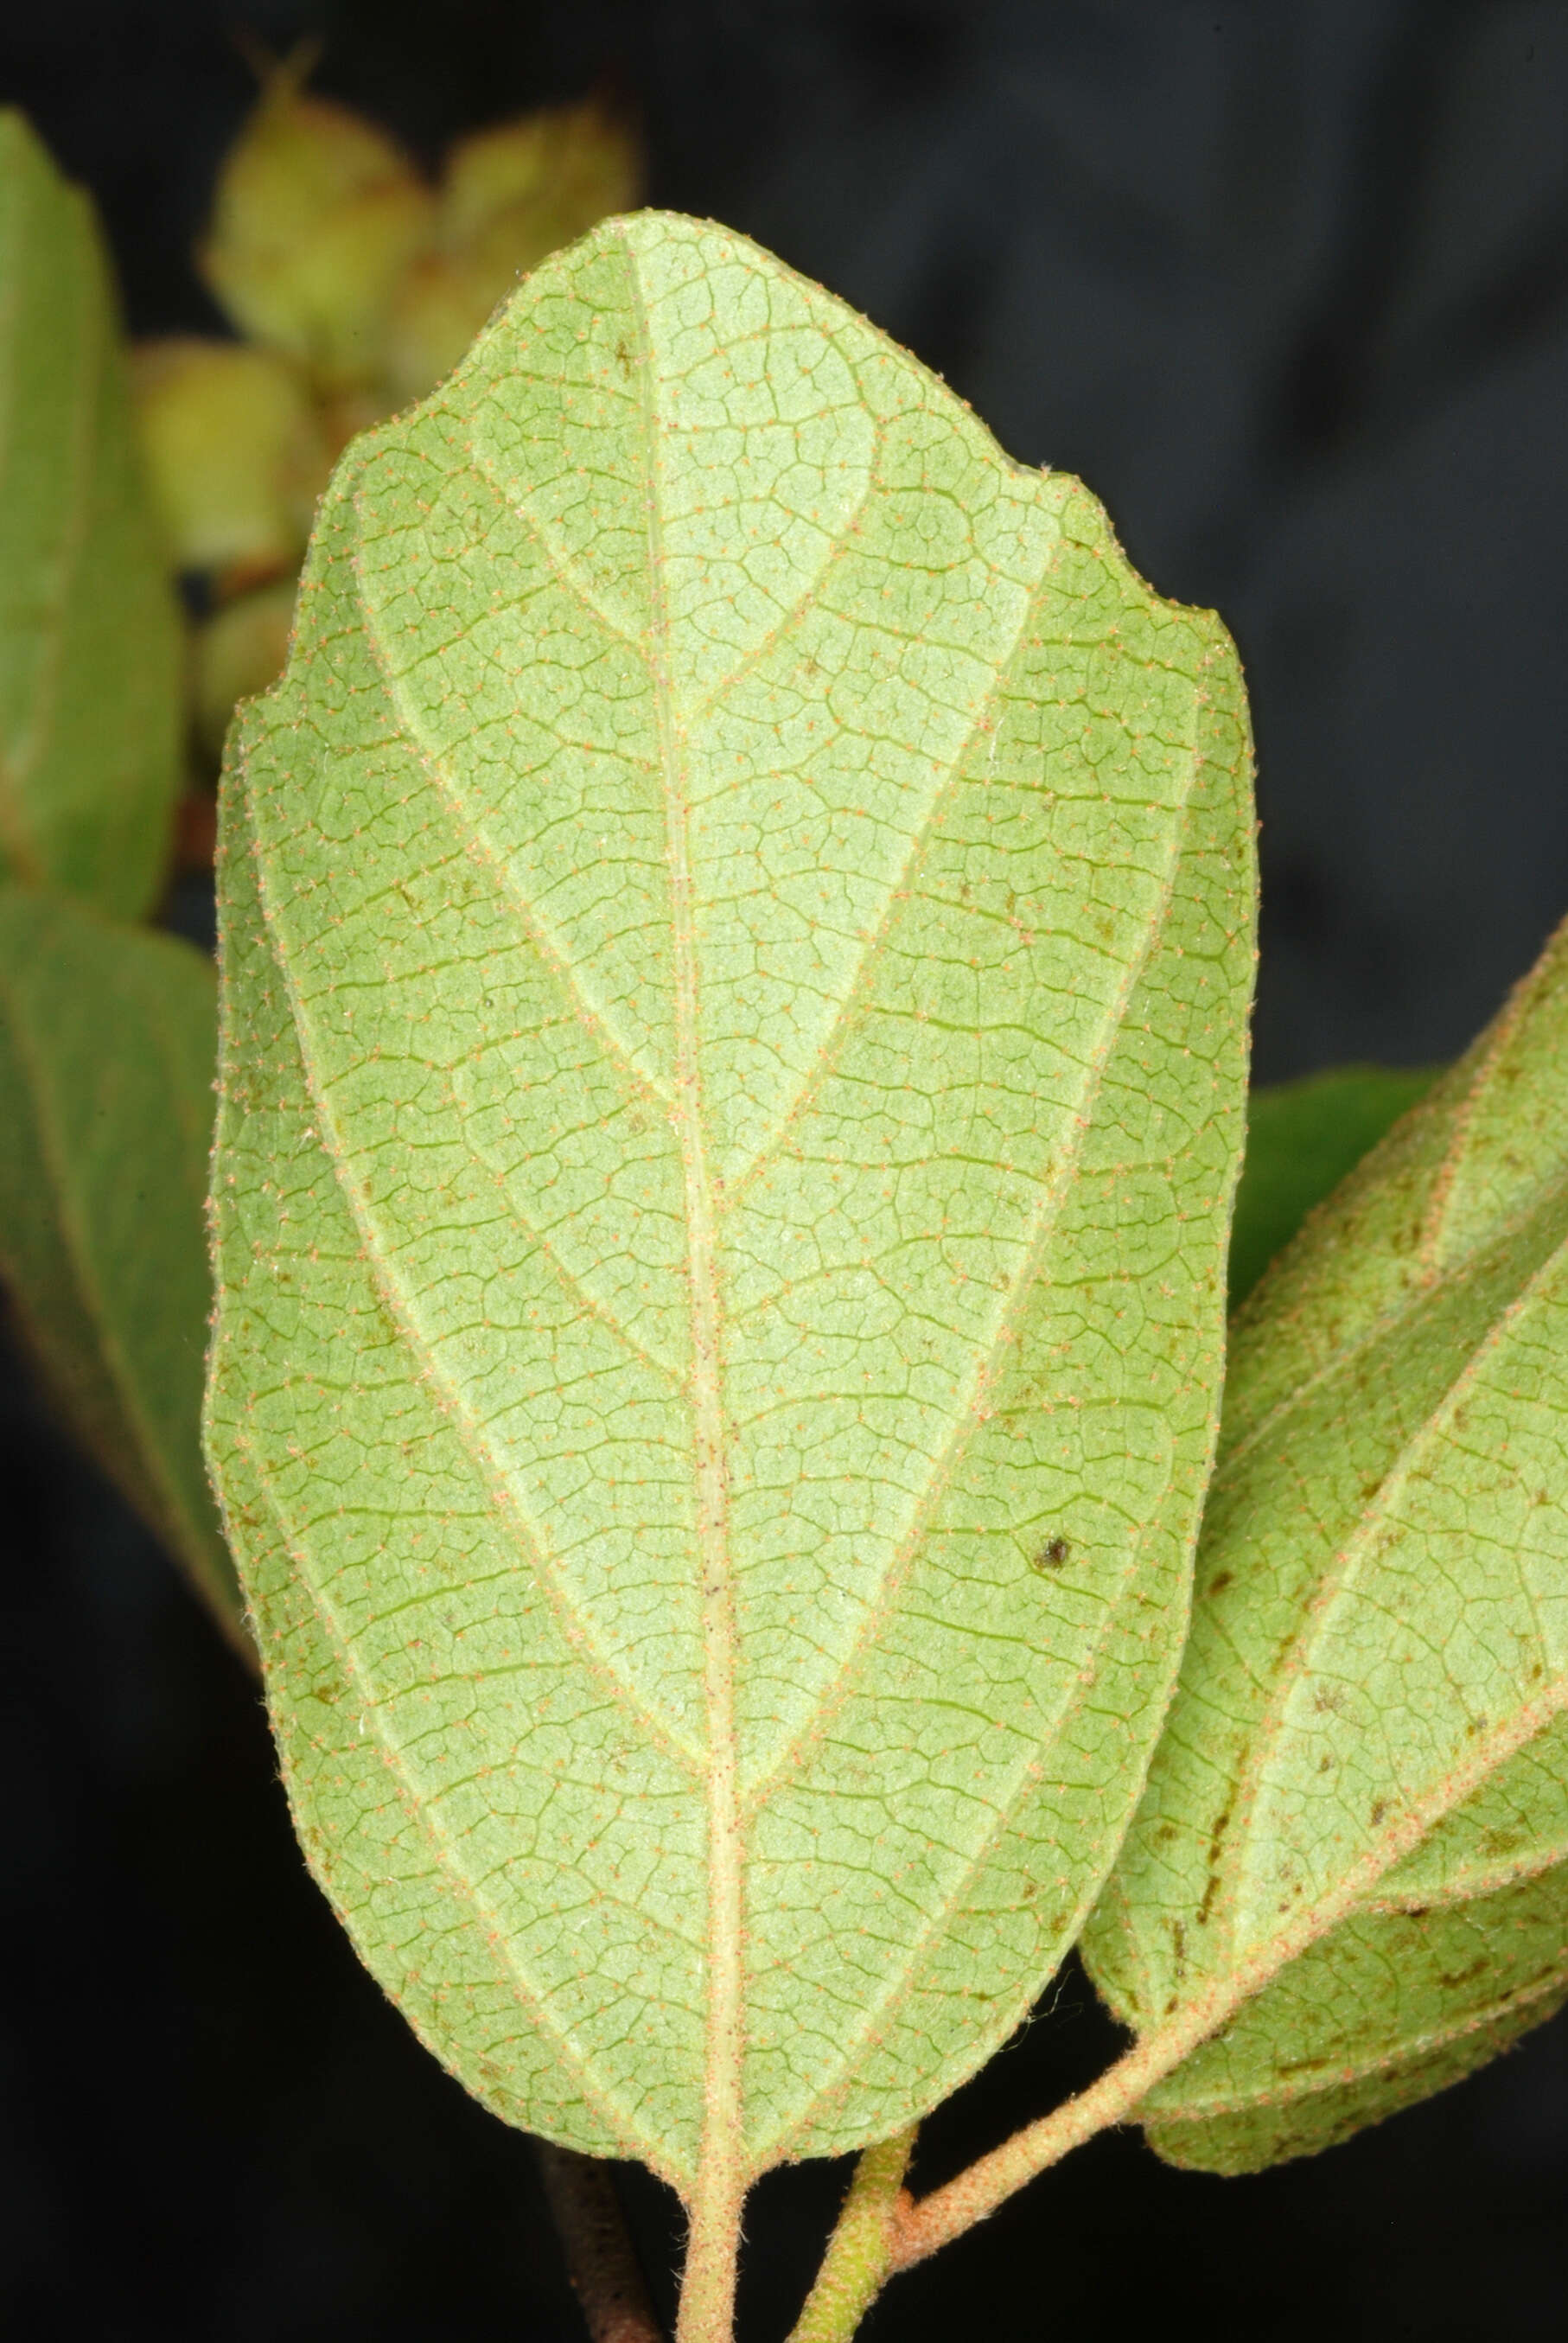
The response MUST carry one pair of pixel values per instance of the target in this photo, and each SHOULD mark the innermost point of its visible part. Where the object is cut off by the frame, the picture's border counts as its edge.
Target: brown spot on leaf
(1457, 1977)
(1212, 1886)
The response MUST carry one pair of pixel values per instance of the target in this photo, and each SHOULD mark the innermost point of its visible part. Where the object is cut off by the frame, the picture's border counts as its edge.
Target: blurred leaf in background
(107, 1033)
(107, 1043)
(89, 633)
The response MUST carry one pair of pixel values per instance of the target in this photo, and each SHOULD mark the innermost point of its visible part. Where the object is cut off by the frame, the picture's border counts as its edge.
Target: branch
(859, 2259)
(601, 2261)
(935, 2220)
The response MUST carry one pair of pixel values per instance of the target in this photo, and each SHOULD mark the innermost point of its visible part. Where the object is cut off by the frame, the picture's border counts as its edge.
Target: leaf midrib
(1456, 1176)
(566, 572)
(1274, 2092)
(1476, 1879)
(1389, 1320)
(1223, 1990)
(720, 2160)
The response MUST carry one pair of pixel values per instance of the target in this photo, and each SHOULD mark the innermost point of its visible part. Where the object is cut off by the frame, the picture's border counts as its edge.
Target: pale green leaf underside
(1366, 1764)
(90, 684)
(736, 929)
(107, 1043)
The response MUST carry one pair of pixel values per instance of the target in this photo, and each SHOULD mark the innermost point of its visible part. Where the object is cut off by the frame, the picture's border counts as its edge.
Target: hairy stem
(712, 2259)
(859, 2259)
(601, 2261)
(948, 2212)
(883, 2229)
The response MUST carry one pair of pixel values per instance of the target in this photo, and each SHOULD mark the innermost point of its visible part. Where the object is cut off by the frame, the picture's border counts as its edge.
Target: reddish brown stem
(601, 2261)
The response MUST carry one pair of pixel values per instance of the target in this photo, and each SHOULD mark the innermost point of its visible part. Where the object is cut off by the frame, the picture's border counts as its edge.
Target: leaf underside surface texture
(1302, 1139)
(1361, 1800)
(737, 931)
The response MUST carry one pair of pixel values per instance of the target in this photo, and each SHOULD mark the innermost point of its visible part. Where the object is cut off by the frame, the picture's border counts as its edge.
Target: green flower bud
(440, 306)
(570, 165)
(238, 654)
(510, 196)
(236, 451)
(317, 216)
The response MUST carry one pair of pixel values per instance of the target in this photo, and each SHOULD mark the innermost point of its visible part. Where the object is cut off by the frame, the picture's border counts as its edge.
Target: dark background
(1288, 285)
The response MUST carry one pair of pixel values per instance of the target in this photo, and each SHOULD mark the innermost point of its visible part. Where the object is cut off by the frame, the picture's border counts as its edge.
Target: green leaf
(108, 1042)
(90, 689)
(737, 925)
(1302, 1137)
(1359, 1811)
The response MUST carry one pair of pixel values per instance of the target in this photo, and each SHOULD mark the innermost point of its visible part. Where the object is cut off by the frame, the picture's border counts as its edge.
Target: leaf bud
(237, 653)
(317, 216)
(577, 162)
(234, 449)
(512, 195)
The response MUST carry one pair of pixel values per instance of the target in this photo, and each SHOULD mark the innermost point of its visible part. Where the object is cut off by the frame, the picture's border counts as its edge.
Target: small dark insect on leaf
(1053, 1553)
